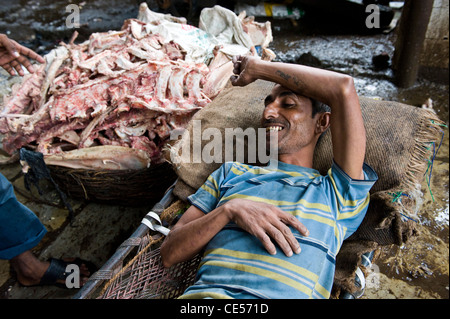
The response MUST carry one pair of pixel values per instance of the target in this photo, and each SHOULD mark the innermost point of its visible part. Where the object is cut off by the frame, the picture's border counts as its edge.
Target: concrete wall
(435, 55)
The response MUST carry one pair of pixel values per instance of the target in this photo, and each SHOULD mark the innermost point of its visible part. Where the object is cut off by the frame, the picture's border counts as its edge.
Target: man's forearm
(322, 85)
(191, 234)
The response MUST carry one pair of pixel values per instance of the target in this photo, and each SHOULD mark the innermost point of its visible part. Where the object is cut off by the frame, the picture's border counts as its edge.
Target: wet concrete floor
(418, 269)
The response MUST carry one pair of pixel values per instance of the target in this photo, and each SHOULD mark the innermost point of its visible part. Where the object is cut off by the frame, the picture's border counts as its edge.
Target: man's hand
(13, 56)
(265, 221)
(242, 66)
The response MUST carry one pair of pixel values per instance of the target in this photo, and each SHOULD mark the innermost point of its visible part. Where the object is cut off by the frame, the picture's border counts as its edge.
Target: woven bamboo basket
(116, 187)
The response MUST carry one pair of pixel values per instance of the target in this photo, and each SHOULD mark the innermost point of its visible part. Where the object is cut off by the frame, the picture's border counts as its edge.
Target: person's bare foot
(30, 270)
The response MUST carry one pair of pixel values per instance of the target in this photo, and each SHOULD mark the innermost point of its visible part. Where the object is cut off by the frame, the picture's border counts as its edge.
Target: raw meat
(127, 88)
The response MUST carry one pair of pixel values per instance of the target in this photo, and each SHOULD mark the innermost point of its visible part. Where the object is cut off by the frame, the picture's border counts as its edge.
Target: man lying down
(275, 231)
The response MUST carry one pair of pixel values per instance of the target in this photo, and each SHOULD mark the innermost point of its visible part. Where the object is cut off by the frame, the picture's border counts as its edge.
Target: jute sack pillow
(399, 140)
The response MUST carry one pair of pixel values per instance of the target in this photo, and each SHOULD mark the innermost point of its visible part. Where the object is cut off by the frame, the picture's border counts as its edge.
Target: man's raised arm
(334, 89)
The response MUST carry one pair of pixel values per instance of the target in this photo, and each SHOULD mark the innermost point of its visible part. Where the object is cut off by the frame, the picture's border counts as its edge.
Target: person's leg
(20, 231)
(30, 270)
(20, 228)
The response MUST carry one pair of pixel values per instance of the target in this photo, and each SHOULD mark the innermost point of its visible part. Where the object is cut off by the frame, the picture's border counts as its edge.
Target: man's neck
(303, 157)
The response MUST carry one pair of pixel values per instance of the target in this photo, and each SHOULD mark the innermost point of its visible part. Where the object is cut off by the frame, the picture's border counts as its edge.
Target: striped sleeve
(208, 195)
(350, 197)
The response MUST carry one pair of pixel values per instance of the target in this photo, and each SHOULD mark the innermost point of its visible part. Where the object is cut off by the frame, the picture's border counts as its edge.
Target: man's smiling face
(289, 116)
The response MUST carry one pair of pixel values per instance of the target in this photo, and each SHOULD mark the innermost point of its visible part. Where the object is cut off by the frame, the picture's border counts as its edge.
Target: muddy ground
(418, 269)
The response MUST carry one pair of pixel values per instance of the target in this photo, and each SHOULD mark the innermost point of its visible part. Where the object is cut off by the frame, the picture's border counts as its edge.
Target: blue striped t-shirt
(235, 263)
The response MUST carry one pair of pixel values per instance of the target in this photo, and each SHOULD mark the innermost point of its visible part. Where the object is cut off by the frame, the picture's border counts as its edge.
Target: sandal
(57, 271)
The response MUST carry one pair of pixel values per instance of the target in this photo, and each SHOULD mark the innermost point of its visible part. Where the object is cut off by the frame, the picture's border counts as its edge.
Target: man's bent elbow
(165, 257)
(341, 89)
(165, 263)
(347, 86)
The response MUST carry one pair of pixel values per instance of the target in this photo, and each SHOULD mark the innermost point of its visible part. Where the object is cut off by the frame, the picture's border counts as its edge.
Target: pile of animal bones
(120, 93)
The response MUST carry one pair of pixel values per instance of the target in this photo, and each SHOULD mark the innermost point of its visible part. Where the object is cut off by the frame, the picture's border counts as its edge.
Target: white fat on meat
(193, 85)
(176, 83)
(161, 83)
(70, 136)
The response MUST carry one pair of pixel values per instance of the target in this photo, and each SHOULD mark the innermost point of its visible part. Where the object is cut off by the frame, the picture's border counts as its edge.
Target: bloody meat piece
(120, 88)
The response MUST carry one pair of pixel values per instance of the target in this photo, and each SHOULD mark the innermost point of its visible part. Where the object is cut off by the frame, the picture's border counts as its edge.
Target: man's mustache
(269, 122)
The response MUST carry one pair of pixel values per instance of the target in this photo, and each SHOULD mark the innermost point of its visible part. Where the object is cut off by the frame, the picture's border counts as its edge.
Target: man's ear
(323, 122)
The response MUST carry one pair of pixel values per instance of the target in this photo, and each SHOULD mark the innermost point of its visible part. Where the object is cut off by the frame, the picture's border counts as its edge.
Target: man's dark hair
(319, 107)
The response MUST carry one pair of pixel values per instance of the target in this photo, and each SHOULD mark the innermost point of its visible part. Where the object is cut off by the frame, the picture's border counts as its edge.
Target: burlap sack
(234, 107)
(399, 140)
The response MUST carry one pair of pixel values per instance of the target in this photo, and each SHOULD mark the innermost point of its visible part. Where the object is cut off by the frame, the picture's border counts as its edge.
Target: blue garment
(236, 265)
(20, 229)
